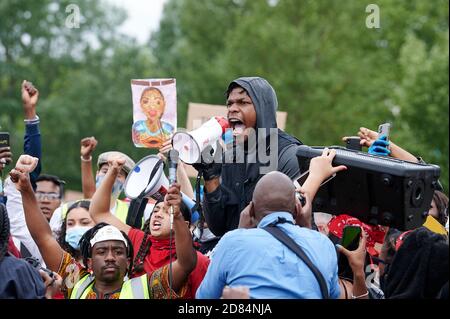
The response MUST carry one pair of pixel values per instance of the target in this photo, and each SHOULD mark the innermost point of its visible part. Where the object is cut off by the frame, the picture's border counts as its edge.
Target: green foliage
(423, 99)
(331, 73)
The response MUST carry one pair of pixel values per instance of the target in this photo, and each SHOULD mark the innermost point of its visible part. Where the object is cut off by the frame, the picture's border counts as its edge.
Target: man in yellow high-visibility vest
(109, 253)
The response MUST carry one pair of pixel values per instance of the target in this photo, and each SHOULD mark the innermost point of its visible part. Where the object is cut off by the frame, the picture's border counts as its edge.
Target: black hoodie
(222, 207)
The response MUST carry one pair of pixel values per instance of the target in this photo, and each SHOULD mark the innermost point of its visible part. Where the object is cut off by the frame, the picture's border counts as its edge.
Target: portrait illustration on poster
(154, 111)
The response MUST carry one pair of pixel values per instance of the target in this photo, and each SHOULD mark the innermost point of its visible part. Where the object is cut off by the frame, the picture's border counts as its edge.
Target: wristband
(86, 160)
(32, 121)
(361, 296)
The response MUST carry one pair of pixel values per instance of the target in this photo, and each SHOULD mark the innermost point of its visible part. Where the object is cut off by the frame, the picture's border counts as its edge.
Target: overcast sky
(143, 17)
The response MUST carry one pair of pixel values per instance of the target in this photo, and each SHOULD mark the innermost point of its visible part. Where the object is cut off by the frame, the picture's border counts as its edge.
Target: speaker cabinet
(375, 189)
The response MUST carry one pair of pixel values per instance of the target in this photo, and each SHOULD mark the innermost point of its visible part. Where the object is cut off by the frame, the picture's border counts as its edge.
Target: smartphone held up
(350, 241)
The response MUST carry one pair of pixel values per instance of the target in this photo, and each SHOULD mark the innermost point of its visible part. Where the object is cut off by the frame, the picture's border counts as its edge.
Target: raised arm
(88, 145)
(186, 255)
(37, 224)
(368, 137)
(99, 208)
(32, 138)
(356, 259)
(320, 169)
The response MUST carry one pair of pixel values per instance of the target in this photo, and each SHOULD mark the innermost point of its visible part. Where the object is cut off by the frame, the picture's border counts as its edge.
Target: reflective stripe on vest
(81, 288)
(136, 288)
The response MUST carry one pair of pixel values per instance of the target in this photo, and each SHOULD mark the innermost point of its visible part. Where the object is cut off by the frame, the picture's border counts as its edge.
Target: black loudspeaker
(375, 189)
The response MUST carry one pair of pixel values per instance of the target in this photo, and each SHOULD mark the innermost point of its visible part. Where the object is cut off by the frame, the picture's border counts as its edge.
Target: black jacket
(222, 207)
(419, 269)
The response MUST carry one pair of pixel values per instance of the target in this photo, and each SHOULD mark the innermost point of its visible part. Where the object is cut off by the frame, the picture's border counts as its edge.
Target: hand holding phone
(5, 151)
(4, 139)
(384, 130)
(380, 146)
(350, 241)
(350, 237)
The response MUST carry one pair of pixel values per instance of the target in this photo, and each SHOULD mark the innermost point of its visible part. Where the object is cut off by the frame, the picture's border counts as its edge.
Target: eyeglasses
(49, 196)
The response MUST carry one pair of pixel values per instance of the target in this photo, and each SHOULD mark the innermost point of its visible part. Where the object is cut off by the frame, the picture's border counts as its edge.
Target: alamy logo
(373, 19)
(259, 148)
(73, 19)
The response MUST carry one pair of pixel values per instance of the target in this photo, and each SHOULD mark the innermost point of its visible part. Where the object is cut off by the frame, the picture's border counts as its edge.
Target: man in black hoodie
(252, 105)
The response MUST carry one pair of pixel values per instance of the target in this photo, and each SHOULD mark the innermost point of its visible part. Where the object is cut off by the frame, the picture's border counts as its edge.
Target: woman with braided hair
(153, 247)
(107, 253)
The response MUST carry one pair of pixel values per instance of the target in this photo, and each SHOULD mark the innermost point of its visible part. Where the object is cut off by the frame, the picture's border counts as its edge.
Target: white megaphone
(140, 179)
(191, 144)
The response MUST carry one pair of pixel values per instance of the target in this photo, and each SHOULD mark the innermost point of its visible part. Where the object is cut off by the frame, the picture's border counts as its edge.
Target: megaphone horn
(147, 177)
(191, 144)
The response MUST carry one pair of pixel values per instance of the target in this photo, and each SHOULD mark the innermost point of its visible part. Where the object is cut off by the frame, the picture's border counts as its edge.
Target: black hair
(145, 245)
(55, 180)
(86, 249)
(231, 87)
(441, 202)
(62, 232)
(390, 240)
(186, 212)
(4, 231)
(143, 249)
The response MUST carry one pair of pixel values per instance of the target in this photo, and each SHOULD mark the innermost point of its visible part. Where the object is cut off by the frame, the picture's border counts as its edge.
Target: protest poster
(154, 111)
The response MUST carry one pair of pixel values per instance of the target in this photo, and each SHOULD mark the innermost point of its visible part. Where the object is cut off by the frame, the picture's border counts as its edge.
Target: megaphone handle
(171, 217)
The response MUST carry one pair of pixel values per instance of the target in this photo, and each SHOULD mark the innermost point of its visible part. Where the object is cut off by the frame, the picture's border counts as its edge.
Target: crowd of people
(257, 235)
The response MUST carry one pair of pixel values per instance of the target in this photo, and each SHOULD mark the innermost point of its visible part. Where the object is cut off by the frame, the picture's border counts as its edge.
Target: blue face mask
(117, 187)
(73, 235)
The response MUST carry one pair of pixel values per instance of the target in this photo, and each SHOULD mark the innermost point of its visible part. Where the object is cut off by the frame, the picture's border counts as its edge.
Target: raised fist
(88, 145)
(30, 95)
(116, 162)
(26, 163)
(21, 179)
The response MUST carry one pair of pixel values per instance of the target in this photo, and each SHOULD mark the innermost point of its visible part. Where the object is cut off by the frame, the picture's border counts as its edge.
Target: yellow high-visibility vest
(136, 288)
(121, 210)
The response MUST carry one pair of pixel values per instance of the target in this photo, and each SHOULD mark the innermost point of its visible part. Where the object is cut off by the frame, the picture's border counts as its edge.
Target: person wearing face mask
(118, 207)
(75, 224)
(55, 252)
(152, 246)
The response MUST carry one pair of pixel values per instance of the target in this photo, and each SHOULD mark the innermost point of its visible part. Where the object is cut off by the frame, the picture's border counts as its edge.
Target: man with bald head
(255, 259)
(275, 193)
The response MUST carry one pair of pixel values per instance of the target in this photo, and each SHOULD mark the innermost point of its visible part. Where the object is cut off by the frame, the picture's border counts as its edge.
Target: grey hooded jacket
(222, 207)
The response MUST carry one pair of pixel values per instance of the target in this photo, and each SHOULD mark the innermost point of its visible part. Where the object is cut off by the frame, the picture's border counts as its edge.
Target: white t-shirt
(18, 226)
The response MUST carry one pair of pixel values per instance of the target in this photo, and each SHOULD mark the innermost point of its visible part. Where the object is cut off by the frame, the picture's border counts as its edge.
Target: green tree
(83, 75)
(423, 100)
(331, 73)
